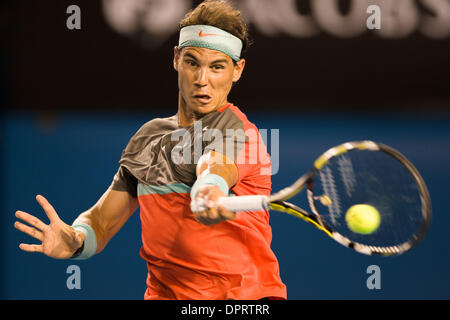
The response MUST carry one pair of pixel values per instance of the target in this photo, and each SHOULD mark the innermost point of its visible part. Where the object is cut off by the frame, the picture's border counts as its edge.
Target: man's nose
(202, 77)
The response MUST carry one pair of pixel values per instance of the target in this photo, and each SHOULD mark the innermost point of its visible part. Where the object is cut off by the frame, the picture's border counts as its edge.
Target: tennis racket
(356, 173)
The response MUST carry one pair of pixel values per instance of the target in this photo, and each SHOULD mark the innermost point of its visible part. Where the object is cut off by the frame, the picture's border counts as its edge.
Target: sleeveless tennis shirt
(185, 259)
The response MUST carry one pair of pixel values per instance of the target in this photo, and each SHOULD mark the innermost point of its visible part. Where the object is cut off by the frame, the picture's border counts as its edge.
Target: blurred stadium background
(71, 99)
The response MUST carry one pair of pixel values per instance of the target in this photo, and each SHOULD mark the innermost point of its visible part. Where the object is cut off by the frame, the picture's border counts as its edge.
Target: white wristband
(90, 241)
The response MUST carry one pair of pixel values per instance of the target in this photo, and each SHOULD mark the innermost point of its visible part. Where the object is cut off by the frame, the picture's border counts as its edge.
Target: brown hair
(219, 14)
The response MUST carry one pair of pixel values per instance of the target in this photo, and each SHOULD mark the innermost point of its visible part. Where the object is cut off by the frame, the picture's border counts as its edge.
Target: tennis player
(203, 253)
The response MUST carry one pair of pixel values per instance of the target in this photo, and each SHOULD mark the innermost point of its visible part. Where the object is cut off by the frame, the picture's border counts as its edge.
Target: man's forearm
(108, 215)
(216, 163)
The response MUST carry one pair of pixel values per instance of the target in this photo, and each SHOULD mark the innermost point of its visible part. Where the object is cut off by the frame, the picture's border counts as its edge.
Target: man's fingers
(209, 217)
(201, 217)
(226, 214)
(208, 213)
(28, 230)
(48, 208)
(30, 247)
(28, 218)
(210, 192)
(200, 193)
(213, 215)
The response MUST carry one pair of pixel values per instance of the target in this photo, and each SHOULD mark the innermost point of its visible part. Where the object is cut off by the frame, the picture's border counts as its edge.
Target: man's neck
(186, 117)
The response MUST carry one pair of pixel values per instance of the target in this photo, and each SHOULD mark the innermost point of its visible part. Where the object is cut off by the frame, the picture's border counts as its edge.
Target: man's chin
(204, 109)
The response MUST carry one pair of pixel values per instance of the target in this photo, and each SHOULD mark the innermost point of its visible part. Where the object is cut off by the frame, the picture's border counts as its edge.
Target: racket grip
(245, 203)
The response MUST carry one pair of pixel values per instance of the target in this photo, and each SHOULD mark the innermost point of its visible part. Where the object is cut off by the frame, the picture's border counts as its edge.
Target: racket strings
(377, 179)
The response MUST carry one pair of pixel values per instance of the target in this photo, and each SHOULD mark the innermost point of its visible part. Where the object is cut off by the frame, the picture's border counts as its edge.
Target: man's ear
(176, 58)
(238, 70)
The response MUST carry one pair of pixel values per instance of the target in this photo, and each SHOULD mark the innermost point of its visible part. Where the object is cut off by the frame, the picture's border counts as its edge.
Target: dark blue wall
(72, 158)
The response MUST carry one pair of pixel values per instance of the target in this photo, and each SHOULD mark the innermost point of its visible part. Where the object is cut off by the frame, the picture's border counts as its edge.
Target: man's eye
(191, 63)
(218, 67)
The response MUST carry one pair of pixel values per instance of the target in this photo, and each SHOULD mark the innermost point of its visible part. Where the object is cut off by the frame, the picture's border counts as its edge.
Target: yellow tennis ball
(362, 218)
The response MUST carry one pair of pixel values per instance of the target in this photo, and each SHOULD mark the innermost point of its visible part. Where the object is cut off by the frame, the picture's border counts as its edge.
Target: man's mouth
(203, 98)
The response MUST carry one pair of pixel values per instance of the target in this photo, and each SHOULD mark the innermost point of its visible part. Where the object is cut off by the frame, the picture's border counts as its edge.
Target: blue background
(71, 158)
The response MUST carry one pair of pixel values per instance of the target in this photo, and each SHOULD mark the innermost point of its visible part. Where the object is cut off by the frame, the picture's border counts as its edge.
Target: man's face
(205, 78)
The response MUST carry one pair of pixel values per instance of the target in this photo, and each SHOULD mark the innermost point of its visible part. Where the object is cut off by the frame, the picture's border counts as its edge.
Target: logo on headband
(201, 34)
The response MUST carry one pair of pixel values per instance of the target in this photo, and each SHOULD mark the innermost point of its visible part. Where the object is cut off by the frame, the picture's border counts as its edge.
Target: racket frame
(278, 200)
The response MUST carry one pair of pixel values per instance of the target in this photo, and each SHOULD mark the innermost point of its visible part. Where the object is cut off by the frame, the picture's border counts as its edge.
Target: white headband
(213, 38)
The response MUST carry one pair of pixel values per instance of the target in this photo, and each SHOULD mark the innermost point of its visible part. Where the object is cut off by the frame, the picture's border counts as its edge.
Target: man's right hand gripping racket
(366, 196)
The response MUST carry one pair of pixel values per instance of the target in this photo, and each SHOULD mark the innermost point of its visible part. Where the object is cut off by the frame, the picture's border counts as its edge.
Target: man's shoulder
(157, 125)
(235, 118)
(133, 156)
(231, 117)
